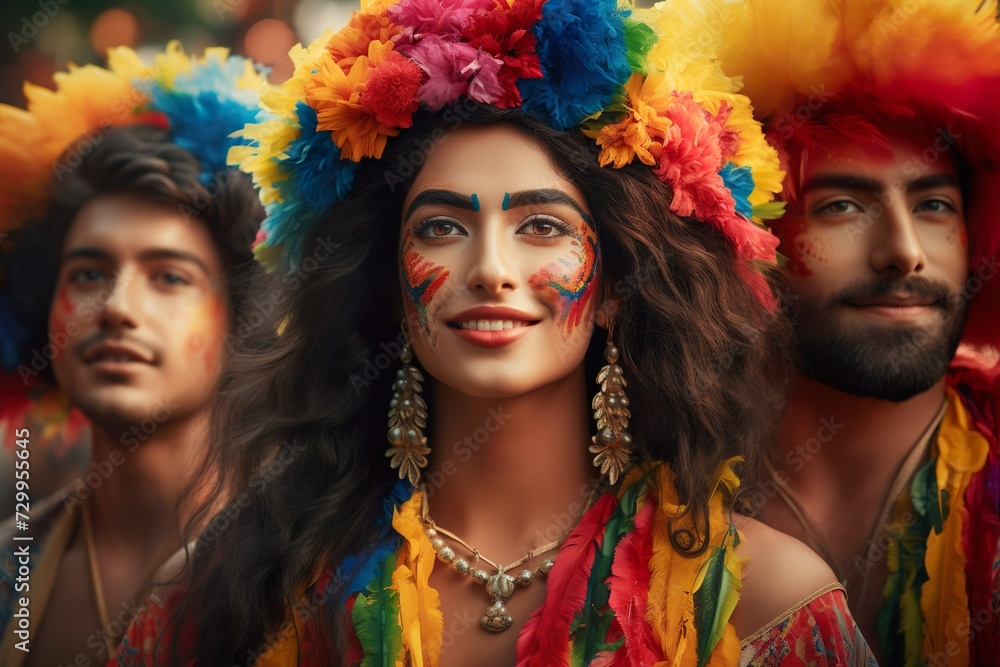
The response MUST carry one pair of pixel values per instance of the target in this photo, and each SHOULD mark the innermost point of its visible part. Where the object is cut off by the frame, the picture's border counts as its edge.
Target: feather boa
(962, 451)
(542, 638)
(596, 610)
(925, 612)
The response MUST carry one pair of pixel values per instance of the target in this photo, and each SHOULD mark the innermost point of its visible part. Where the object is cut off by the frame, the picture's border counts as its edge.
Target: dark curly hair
(704, 360)
(140, 160)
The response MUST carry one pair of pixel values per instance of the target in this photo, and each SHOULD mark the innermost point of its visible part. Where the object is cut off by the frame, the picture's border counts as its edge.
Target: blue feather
(739, 180)
(361, 571)
(204, 107)
(581, 47)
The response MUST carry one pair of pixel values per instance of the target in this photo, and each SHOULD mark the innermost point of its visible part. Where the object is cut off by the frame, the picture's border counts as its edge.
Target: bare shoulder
(173, 574)
(779, 573)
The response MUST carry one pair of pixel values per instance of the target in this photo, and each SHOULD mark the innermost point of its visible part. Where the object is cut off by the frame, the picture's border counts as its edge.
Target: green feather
(376, 619)
(590, 627)
(716, 598)
(900, 620)
(639, 40)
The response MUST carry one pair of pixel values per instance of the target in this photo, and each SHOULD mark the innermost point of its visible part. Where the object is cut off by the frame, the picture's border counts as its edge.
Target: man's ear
(607, 309)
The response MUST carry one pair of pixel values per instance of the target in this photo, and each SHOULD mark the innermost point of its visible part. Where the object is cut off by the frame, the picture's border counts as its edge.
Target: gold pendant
(500, 587)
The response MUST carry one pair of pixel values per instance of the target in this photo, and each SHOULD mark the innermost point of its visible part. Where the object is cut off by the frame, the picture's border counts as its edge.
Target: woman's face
(498, 265)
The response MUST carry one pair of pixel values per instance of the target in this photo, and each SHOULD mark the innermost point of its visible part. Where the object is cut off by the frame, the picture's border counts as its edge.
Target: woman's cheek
(570, 283)
(422, 279)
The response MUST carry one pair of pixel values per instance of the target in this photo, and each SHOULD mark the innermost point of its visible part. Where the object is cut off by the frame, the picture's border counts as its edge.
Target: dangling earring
(613, 443)
(407, 418)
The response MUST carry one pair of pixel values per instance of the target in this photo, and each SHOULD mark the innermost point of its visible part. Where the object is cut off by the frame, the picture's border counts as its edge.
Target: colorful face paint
(421, 279)
(475, 202)
(205, 326)
(571, 281)
(62, 308)
(506, 201)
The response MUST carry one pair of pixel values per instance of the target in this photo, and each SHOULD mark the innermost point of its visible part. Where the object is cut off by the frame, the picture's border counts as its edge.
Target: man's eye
(86, 276)
(841, 206)
(935, 206)
(172, 279)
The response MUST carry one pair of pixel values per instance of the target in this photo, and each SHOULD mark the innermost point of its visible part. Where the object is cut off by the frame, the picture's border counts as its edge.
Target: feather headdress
(828, 71)
(635, 82)
(199, 100)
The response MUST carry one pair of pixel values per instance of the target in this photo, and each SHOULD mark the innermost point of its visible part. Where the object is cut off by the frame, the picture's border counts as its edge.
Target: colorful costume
(200, 101)
(616, 564)
(822, 73)
(943, 591)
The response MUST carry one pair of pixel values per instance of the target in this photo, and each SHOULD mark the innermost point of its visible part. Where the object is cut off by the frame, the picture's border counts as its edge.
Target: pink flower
(445, 18)
(484, 86)
(453, 69)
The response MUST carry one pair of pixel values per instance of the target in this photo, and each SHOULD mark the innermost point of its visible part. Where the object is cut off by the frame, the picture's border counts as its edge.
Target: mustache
(915, 286)
(117, 337)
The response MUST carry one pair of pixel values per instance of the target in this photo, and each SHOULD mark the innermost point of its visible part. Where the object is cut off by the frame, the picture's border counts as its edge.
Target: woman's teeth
(491, 325)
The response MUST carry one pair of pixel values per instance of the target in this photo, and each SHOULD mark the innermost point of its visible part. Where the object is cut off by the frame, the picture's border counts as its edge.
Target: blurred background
(41, 36)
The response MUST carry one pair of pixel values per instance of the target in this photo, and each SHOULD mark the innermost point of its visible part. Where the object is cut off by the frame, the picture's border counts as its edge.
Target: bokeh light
(113, 27)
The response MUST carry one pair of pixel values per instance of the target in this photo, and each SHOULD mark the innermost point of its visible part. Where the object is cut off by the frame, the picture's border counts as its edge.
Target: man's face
(140, 297)
(878, 257)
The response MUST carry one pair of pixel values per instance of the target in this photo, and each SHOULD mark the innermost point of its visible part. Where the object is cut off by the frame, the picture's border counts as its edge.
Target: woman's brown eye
(443, 229)
(542, 228)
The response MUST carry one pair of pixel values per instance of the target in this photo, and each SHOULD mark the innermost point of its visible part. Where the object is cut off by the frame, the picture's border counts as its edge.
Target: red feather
(630, 592)
(981, 533)
(544, 639)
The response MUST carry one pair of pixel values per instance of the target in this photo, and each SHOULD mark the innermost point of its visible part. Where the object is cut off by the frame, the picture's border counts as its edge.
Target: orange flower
(621, 142)
(335, 94)
(354, 39)
(642, 131)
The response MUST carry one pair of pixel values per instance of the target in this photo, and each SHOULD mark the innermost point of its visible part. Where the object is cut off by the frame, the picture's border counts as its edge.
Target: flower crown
(639, 82)
(823, 73)
(200, 101)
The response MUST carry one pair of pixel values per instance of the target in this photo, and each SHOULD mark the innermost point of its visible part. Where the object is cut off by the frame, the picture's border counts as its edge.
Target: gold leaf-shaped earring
(613, 443)
(407, 419)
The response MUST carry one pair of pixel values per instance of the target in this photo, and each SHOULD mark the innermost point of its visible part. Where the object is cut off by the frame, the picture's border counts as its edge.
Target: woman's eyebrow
(545, 196)
(443, 197)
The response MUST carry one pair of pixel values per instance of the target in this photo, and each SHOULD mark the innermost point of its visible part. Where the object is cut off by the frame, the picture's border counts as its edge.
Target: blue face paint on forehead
(475, 202)
(506, 201)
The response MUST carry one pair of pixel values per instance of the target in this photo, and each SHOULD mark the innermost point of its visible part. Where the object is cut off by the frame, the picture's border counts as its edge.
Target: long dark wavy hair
(299, 435)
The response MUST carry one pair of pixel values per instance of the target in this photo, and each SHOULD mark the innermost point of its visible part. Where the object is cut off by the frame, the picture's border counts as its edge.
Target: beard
(892, 362)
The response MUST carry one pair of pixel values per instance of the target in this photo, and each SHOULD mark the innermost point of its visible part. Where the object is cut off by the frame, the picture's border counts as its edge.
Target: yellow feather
(727, 653)
(782, 49)
(962, 452)
(419, 604)
(675, 578)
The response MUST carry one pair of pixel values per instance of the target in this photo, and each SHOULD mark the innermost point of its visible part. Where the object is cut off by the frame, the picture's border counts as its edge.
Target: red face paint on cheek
(62, 309)
(422, 279)
(795, 245)
(570, 282)
(206, 326)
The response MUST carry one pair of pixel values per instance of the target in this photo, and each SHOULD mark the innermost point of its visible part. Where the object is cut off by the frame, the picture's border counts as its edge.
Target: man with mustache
(887, 463)
(128, 284)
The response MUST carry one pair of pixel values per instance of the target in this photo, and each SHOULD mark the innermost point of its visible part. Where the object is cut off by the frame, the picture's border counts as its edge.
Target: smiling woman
(523, 259)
